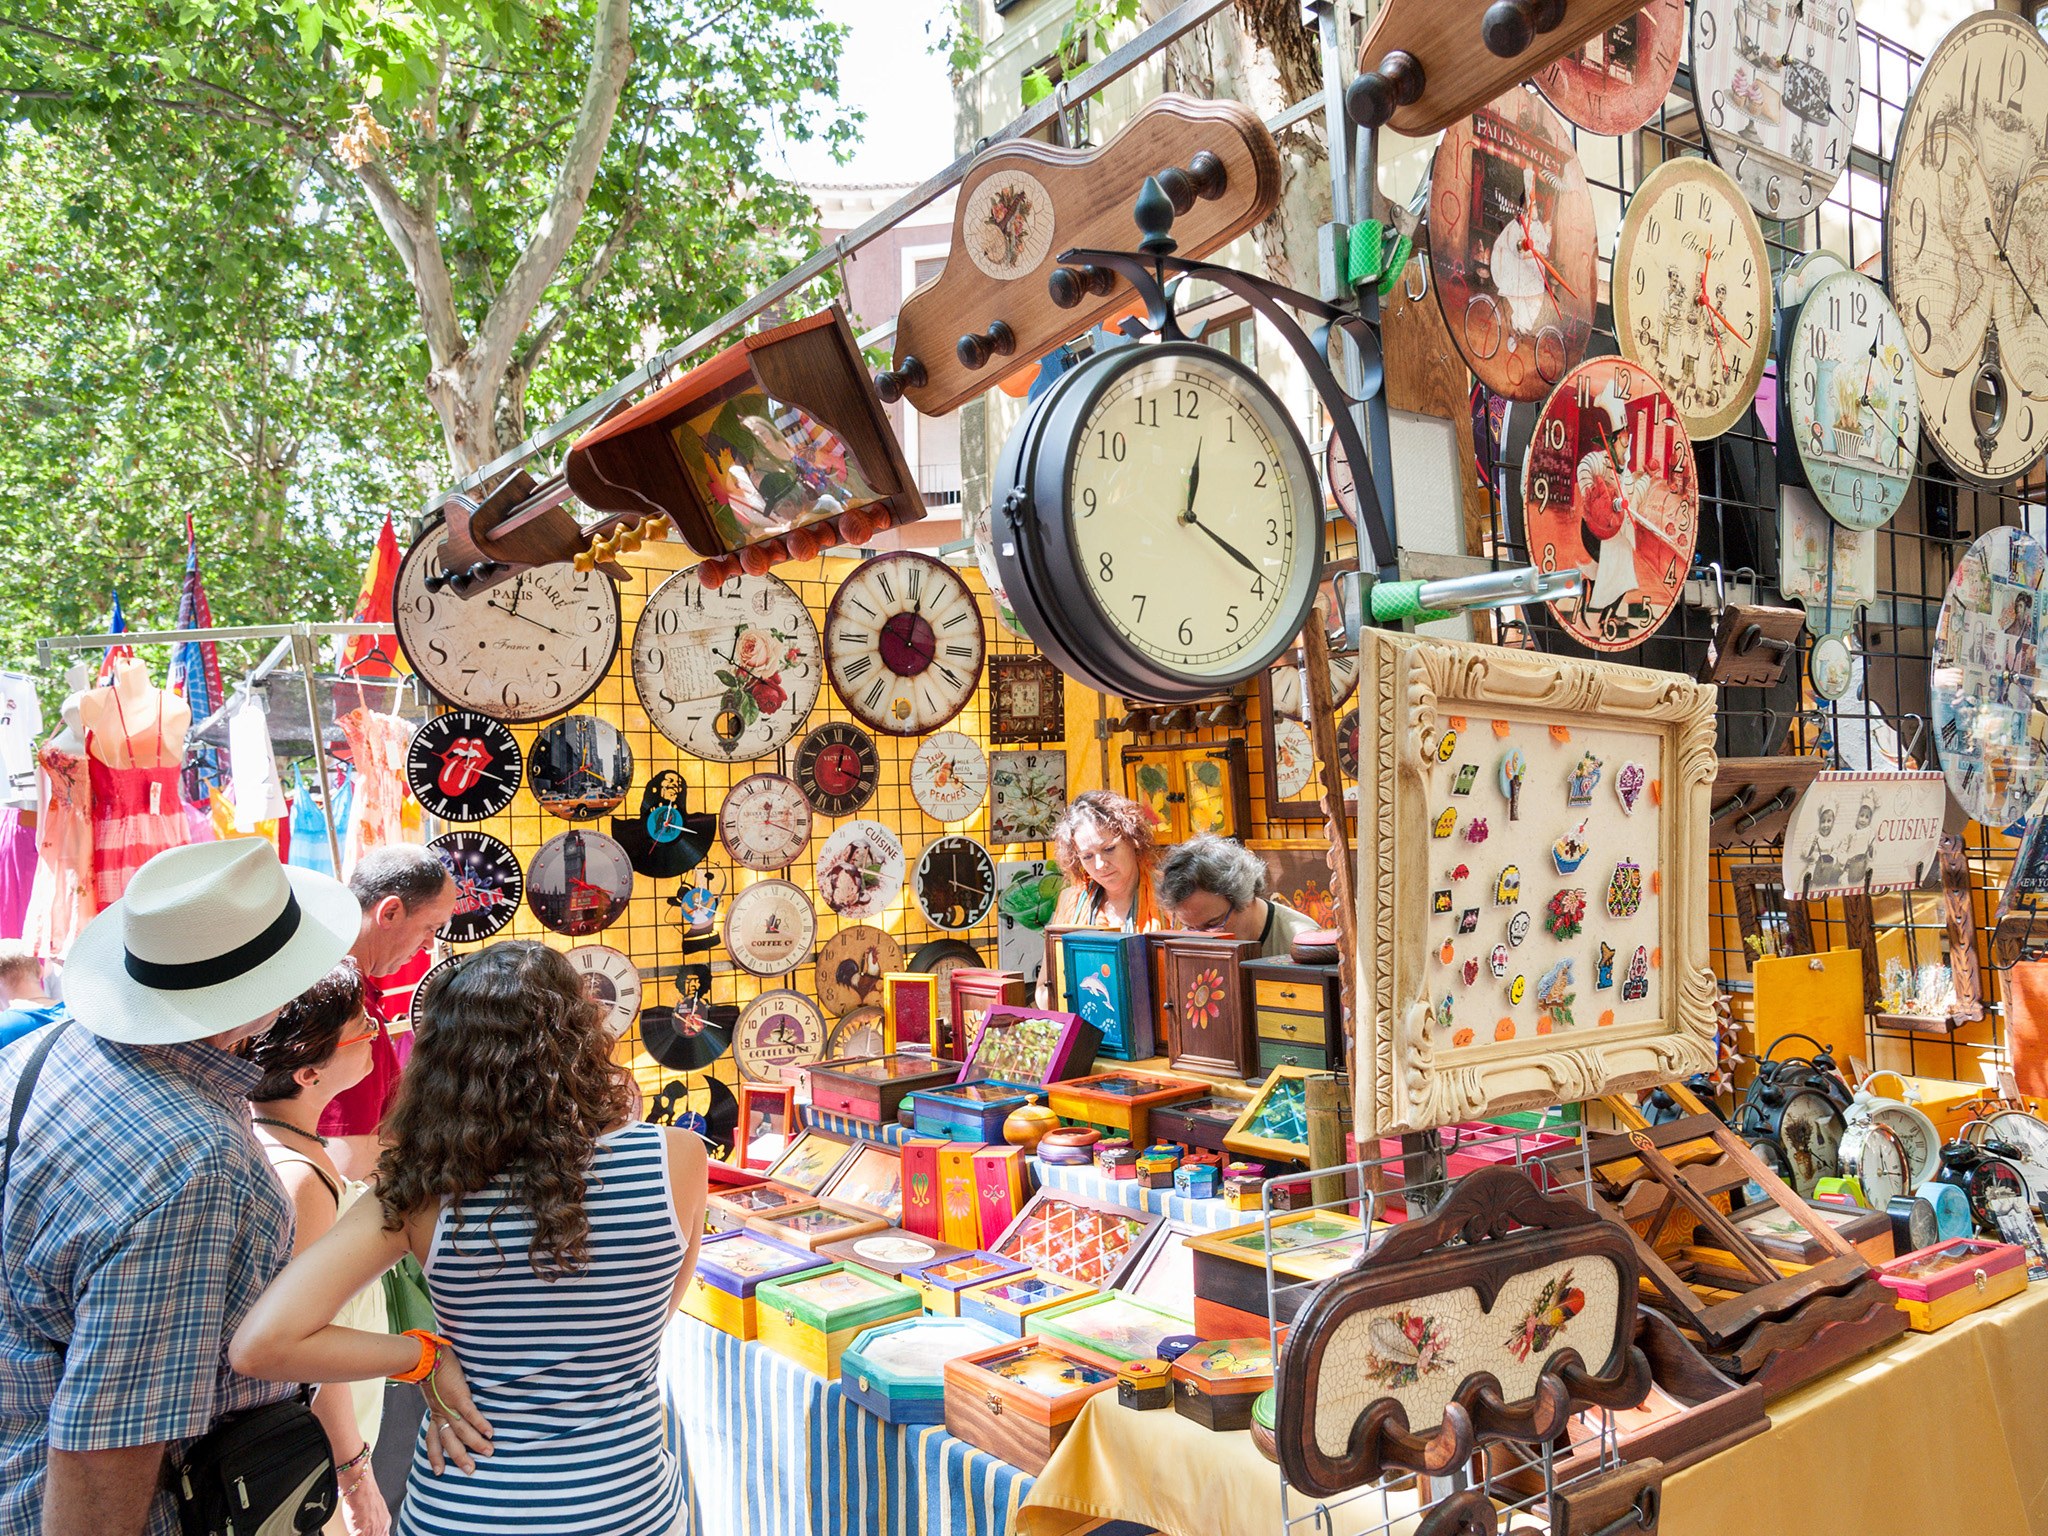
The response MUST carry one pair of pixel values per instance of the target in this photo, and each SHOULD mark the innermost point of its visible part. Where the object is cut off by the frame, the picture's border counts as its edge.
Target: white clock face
(1029, 796)
(612, 980)
(1776, 82)
(527, 649)
(777, 1030)
(904, 643)
(1917, 1135)
(727, 673)
(1881, 1166)
(765, 821)
(1194, 514)
(1854, 400)
(771, 927)
(1287, 701)
(1692, 292)
(948, 776)
(1294, 760)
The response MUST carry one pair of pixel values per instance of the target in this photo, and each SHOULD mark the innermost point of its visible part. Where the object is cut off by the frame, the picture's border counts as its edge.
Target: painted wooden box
(921, 1212)
(728, 1210)
(1202, 1006)
(729, 1268)
(1201, 1123)
(1018, 1401)
(959, 1201)
(870, 1179)
(1089, 1241)
(1008, 1305)
(1106, 978)
(1778, 1235)
(973, 1111)
(873, 1089)
(1030, 1047)
(1215, 1384)
(1230, 1266)
(1945, 1283)
(1112, 1325)
(941, 1283)
(1298, 1008)
(809, 1225)
(1000, 1180)
(891, 1251)
(897, 1371)
(972, 991)
(910, 1009)
(1274, 1126)
(1121, 1101)
(812, 1318)
(812, 1158)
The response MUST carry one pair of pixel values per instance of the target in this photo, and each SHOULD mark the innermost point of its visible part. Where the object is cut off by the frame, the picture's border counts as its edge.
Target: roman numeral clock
(904, 643)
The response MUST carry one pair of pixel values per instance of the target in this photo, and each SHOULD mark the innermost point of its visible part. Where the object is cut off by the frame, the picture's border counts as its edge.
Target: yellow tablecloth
(1941, 1433)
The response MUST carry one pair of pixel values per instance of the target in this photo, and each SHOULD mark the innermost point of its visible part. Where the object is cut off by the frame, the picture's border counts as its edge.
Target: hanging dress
(134, 748)
(63, 900)
(378, 744)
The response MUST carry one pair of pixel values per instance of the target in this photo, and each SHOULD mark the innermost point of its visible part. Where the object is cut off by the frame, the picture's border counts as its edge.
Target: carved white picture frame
(1411, 689)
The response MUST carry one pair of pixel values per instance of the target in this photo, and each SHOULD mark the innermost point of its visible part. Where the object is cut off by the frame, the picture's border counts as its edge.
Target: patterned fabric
(377, 746)
(62, 901)
(777, 1451)
(195, 674)
(136, 814)
(566, 1370)
(141, 1223)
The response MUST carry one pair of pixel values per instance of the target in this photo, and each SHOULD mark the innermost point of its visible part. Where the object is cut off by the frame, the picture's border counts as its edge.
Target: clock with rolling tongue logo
(463, 766)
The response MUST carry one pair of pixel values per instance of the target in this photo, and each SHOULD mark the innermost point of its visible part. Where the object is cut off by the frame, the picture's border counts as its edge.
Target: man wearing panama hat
(138, 1219)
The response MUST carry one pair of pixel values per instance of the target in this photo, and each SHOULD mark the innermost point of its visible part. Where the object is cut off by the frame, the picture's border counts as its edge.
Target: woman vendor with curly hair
(1103, 845)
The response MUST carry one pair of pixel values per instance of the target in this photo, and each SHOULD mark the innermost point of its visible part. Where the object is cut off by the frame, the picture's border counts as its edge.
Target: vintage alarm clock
(2025, 1135)
(1914, 1223)
(1875, 1158)
(1915, 1133)
(1951, 1208)
(1796, 1129)
(1981, 1171)
(1660, 1108)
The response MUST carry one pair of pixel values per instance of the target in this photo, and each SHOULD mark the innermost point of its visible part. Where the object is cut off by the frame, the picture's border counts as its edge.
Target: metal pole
(307, 657)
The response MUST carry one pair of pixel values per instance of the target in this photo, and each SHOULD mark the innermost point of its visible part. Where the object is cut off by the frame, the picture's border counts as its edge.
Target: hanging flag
(376, 655)
(195, 675)
(117, 624)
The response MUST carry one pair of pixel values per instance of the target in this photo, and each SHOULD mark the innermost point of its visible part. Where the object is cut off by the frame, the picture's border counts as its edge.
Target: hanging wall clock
(904, 643)
(860, 869)
(851, 966)
(1028, 795)
(579, 883)
(1617, 79)
(837, 768)
(667, 838)
(1027, 699)
(1512, 245)
(1609, 486)
(462, 766)
(948, 776)
(612, 980)
(526, 649)
(1985, 674)
(1159, 522)
(1966, 244)
(771, 927)
(765, 821)
(776, 1030)
(1852, 400)
(956, 882)
(580, 767)
(727, 673)
(1692, 292)
(488, 884)
(1286, 684)
(685, 1039)
(416, 1014)
(861, 1034)
(1776, 86)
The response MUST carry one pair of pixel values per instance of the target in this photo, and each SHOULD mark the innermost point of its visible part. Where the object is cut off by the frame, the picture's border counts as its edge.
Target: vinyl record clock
(765, 821)
(525, 650)
(1159, 523)
(488, 884)
(462, 766)
(729, 673)
(1512, 245)
(1776, 85)
(837, 768)
(955, 882)
(771, 927)
(776, 1030)
(904, 643)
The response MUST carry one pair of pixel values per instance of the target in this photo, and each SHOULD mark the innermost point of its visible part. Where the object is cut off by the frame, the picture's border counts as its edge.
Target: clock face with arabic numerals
(1966, 245)
(728, 673)
(462, 766)
(1692, 292)
(1610, 487)
(948, 776)
(527, 649)
(1853, 400)
(488, 884)
(904, 643)
(1777, 83)
(955, 882)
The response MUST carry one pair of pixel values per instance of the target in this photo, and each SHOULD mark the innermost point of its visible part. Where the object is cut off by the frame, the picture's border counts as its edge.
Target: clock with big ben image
(1692, 292)
(1966, 245)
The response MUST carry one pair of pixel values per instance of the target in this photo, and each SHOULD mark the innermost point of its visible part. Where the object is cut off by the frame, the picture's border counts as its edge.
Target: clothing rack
(296, 640)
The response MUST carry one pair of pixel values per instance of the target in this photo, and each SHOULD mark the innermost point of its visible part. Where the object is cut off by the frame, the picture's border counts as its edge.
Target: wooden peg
(1068, 286)
(1510, 26)
(1375, 96)
(1205, 177)
(891, 383)
(997, 341)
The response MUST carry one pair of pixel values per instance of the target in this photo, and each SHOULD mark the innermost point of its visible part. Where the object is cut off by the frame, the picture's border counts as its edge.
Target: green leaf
(1035, 87)
(310, 28)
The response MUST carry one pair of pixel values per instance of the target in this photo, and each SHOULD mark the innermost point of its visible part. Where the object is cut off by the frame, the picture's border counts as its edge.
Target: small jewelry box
(1019, 1400)
(1215, 1384)
(941, 1283)
(729, 1267)
(811, 1318)
(1009, 1305)
(897, 1371)
(1144, 1384)
(1945, 1283)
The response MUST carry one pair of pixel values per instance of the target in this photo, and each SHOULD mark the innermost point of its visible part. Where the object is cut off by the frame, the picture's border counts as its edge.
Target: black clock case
(1063, 617)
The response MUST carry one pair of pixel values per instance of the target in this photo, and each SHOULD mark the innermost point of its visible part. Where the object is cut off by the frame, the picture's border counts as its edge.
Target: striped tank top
(565, 1370)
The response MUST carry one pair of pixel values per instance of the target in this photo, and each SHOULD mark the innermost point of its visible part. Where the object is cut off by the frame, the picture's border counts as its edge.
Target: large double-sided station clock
(527, 649)
(1158, 522)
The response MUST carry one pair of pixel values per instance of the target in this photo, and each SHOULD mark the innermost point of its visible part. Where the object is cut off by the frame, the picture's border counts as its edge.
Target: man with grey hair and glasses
(1212, 883)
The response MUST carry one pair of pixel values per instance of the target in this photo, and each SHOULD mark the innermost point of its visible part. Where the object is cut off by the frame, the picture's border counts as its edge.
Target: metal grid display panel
(1916, 553)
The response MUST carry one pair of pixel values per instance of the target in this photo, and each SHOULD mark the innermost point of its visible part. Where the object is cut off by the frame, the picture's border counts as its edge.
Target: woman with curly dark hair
(1104, 846)
(558, 1235)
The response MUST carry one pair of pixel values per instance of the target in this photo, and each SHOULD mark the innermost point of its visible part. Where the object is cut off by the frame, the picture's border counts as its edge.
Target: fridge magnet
(1468, 920)
(1475, 830)
(1567, 914)
(1569, 851)
(1603, 968)
(1507, 890)
(1467, 776)
(1498, 960)
(1471, 972)
(1518, 928)
(1554, 994)
(1516, 989)
(1460, 872)
(1625, 889)
(1514, 767)
(1447, 746)
(1585, 778)
(1447, 822)
(1629, 782)
(1635, 986)
(1447, 952)
(1440, 902)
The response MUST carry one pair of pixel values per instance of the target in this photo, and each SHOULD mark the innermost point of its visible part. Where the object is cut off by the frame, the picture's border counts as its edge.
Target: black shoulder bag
(261, 1472)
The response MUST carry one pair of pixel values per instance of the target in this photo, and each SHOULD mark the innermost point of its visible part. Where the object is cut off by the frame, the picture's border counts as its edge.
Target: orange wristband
(431, 1345)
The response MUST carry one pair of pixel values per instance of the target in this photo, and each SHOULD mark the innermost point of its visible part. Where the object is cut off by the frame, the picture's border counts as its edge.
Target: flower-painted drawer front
(1201, 986)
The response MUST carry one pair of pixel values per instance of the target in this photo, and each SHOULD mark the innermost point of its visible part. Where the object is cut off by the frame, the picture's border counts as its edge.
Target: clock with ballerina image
(1512, 244)
(1610, 487)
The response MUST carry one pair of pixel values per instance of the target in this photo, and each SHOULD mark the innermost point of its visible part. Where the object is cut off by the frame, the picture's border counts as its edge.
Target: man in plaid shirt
(139, 1221)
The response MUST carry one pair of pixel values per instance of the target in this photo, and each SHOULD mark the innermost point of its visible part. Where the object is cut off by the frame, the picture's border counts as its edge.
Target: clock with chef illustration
(462, 766)
(1610, 487)
(904, 643)
(765, 821)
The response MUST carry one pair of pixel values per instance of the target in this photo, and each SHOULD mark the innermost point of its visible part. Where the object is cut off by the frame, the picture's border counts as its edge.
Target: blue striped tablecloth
(771, 1450)
(861, 1130)
(1083, 1179)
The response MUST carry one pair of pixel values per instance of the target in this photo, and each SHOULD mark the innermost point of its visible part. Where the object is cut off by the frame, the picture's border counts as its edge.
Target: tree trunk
(469, 416)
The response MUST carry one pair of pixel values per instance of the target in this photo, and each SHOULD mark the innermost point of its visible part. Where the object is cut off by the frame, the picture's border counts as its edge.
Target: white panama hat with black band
(207, 938)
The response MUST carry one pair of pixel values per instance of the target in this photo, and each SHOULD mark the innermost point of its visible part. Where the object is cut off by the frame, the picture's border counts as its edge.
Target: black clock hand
(1194, 480)
(1227, 548)
(2014, 270)
(527, 618)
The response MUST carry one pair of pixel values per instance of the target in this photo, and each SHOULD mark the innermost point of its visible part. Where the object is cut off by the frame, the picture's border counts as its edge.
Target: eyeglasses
(368, 1034)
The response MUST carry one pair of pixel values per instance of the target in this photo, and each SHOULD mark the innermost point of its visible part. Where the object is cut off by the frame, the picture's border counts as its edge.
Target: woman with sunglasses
(319, 1046)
